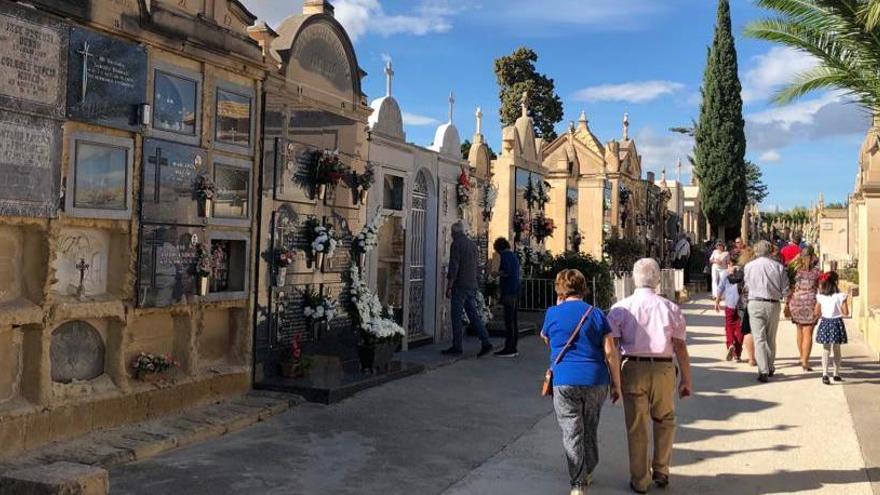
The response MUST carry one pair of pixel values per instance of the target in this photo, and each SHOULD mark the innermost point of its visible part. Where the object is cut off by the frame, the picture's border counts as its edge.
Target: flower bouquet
(542, 227)
(296, 365)
(363, 182)
(205, 265)
(520, 225)
(284, 257)
(321, 241)
(317, 308)
(367, 238)
(379, 334)
(487, 204)
(482, 308)
(205, 190)
(463, 189)
(326, 169)
(147, 367)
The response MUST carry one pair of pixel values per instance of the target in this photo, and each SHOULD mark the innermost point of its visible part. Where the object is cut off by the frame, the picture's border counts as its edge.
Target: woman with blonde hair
(584, 363)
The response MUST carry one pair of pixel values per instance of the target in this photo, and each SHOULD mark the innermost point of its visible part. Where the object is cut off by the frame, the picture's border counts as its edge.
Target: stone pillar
(591, 215)
(556, 210)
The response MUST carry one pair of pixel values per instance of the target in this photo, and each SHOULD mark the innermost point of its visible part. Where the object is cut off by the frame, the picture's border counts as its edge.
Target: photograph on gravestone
(233, 124)
(341, 258)
(107, 79)
(166, 272)
(30, 165)
(76, 352)
(175, 101)
(171, 172)
(33, 62)
(233, 191)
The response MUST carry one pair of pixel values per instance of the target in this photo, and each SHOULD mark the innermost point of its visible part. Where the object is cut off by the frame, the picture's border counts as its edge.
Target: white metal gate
(418, 213)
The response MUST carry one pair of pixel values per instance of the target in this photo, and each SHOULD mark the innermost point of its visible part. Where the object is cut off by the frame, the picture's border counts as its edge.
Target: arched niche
(76, 352)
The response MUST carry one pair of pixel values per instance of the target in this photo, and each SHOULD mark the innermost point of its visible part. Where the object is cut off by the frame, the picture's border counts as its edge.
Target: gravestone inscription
(166, 272)
(342, 230)
(290, 233)
(288, 319)
(107, 79)
(29, 165)
(32, 62)
(76, 352)
(169, 182)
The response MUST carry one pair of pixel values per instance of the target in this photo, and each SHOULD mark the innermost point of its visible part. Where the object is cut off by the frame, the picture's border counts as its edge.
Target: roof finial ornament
(583, 118)
(389, 75)
(524, 103)
(625, 126)
(678, 170)
(451, 105)
(479, 116)
(571, 127)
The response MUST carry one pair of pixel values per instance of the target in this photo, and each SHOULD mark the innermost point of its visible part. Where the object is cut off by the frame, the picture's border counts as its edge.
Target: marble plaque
(32, 62)
(341, 258)
(290, 233)
(30, 154)
(81, 253)
(107, 79)
(166, 268)
(288, 320)
(76, 352)
(170, 174)
(233, 191)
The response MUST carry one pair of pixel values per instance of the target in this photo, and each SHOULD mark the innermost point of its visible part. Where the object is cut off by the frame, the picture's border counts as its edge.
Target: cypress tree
(720, 147)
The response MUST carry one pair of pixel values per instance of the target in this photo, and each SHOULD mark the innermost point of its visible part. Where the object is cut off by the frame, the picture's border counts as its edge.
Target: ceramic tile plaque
(30, 153)
(107, 79)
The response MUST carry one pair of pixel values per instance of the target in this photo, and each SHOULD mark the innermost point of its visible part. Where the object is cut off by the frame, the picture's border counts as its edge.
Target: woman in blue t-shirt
(581, 379)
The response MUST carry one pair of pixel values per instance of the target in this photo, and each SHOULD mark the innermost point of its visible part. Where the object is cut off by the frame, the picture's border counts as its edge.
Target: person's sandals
(661, 480)
(632, 487)
(731, 351)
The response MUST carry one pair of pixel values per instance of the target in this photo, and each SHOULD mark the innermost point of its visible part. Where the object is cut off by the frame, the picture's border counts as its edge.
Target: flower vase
(205, 206)
(360, 258)
(320, 191)
(203, 285)
(362, 195)
(148, 376)
(376, 358)
(281, 276)
(291, 369)
(319, 261)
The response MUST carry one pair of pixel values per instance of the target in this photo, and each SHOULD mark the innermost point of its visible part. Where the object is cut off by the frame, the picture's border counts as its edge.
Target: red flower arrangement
(520, 224)
(542, 227)
(463, 190)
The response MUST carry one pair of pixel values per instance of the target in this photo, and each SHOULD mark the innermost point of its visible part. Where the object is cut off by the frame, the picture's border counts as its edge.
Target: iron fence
(538, 294)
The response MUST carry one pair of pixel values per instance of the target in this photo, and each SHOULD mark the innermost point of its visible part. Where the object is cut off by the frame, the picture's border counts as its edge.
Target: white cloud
(631, 92)
(418, 120)
(360, 17)
(770, 156)
(827, 116)
(772, 70)
(663, 150)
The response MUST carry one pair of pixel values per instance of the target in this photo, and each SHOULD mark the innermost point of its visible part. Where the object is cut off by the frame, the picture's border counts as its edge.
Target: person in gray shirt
(461, 287)
(768, 285)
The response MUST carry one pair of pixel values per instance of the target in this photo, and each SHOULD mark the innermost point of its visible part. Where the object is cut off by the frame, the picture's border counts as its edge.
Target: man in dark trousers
(461, 287)
(509, 274)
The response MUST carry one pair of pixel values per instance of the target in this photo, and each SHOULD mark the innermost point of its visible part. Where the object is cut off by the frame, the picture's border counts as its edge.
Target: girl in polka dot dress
(832, 306)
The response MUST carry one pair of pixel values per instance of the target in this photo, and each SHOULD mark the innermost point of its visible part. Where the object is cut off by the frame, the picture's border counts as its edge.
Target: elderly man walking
(767, 283)
(650, 331)
(461, 288)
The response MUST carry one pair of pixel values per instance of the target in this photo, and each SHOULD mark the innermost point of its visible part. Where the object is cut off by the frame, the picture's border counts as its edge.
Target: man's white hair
(646, 273)
(763, 248)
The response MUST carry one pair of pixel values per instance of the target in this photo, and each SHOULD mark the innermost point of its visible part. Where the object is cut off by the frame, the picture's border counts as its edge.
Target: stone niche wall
(100, 256)
(84, 357)
(23, 255)
(221, 335)
(10, 364)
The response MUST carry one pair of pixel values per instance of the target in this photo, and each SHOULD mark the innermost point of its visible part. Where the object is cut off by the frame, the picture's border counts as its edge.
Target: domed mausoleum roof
(447, 140)
(387, 119)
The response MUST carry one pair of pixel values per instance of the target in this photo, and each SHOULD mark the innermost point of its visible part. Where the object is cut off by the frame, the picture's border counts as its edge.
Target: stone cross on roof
(625, 126)
(524, 103)
(389, 75)
(479, 116)
(451, 105)
(678, 170)
(663, 175)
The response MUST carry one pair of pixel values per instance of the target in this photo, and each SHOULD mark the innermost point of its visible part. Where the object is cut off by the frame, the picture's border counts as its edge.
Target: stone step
(140, 441)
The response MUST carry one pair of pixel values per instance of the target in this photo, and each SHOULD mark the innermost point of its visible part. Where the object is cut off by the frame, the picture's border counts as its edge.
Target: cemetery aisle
(479, 427)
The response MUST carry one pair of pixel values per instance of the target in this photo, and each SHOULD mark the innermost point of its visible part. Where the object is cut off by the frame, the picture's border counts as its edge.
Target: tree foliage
(719, 152)
(757, 191)
(466, 150)
(516, 74)
(844, 35)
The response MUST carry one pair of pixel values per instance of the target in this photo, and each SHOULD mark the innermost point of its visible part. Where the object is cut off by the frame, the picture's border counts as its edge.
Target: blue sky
(645, 57)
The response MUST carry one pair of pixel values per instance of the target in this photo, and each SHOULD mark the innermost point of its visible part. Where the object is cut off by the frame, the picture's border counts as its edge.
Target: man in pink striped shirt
(650, 331)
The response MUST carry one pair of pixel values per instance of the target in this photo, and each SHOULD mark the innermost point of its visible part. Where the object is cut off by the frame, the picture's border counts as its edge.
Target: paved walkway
(479, 427)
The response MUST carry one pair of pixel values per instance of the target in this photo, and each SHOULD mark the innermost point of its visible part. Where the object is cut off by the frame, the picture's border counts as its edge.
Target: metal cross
(159, 161)
(479, 120)
(85, 68)
(389, 75)
(451, 105)
(82, 266)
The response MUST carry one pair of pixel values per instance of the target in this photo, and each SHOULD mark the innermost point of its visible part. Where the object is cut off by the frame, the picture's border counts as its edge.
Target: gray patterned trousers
(577, 411)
